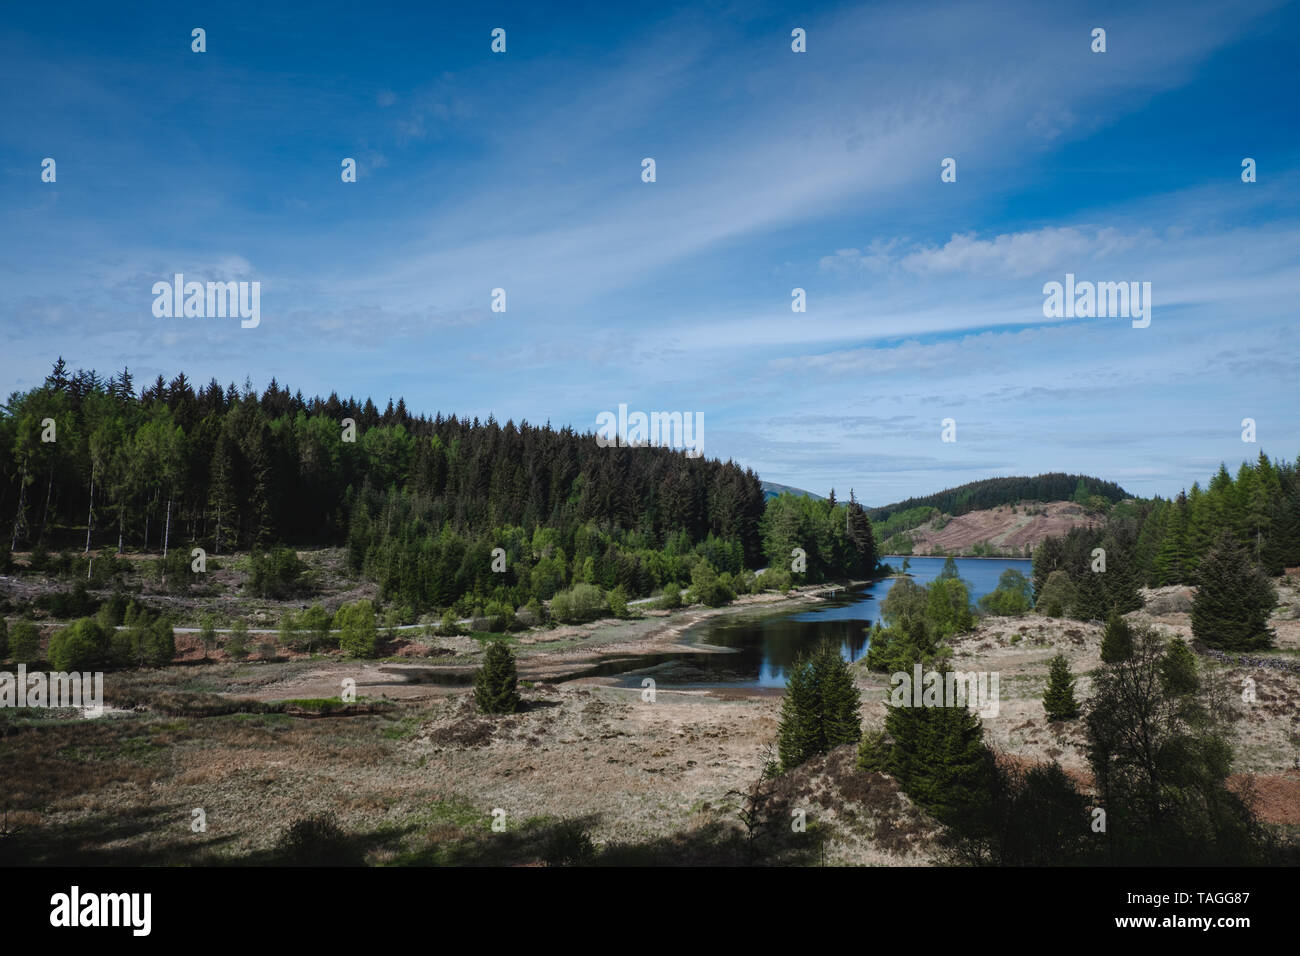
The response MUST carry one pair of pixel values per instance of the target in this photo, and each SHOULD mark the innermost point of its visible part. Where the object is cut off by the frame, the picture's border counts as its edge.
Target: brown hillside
(1008, 529)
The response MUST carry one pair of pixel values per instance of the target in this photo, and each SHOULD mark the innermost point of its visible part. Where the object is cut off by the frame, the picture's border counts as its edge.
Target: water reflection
(767, 646)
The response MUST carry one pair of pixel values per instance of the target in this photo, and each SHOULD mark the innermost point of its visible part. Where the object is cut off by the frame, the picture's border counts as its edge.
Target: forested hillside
(420, 503)
(1160, 542)
(990, 493)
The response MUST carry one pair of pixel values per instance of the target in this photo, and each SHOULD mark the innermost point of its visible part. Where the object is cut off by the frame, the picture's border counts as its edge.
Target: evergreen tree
(1171, 562)
(1058, 699)
(1233, 599)
(1281, 548)
(1178, 674)
(820, 709)
(1090, 598)
(1117, 641)
(1048, 557)
(496, 686)
(939, 758)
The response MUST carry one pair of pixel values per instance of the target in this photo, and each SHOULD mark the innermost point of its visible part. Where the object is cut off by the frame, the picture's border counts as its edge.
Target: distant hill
(771, 490)
(1004, 531)
(991, 492)
(891, 521)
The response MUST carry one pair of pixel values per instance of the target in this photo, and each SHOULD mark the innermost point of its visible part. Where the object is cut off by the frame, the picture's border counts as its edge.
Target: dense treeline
(836, 539)
(238, 469)
(991, 492)
(420, 502)
(1235, 531)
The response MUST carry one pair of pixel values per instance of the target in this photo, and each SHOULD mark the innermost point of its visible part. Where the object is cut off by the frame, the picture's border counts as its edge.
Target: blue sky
(775, 170)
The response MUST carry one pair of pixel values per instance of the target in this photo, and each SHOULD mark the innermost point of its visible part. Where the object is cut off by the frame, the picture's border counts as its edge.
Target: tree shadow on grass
(149, 836)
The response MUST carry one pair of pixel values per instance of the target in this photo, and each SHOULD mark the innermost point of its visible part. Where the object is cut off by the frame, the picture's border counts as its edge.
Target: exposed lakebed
(756, 649)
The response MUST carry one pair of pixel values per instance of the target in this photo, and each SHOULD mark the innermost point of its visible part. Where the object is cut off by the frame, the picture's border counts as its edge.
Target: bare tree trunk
(121, 512)
(167, 534)
(90, 510)
(48, 492)
(147, 515)
(18, 514)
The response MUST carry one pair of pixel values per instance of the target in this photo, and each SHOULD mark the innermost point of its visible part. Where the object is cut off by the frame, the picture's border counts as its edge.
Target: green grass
(403, 728)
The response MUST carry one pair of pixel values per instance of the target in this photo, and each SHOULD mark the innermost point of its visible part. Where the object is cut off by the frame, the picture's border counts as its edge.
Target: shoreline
(655, 634)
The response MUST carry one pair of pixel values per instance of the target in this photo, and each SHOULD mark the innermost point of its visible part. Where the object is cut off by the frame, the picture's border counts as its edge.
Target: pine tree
(939, 758)
(1090, 599)
(1233, 599)
(1281, 548)
(1048, 557)
(1172, 557)
(1117, 641)
(1178, 675)
(496, 686)
(820, 709)
(1058, 699)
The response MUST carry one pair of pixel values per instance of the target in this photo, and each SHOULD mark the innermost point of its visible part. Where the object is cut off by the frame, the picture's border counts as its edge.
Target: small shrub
(25, 643)
(618, 602)
(582, 602)
(568, 844)
(316, 841)
(82, 645)
(450, 625)
(358, 636)
(237, 643)
(278, 574)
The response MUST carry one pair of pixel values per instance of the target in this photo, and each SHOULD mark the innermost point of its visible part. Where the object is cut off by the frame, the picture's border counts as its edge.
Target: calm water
(766, 646)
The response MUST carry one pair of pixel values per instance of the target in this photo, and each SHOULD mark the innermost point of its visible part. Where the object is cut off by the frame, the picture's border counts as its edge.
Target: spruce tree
(940, 760)
(1058, 699)
(1090, 599)
(1117, 641)
(496, 686)
(820, 709)
(1281, 548)
(1233, 599)
(1172, 558)
(1178, 675)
